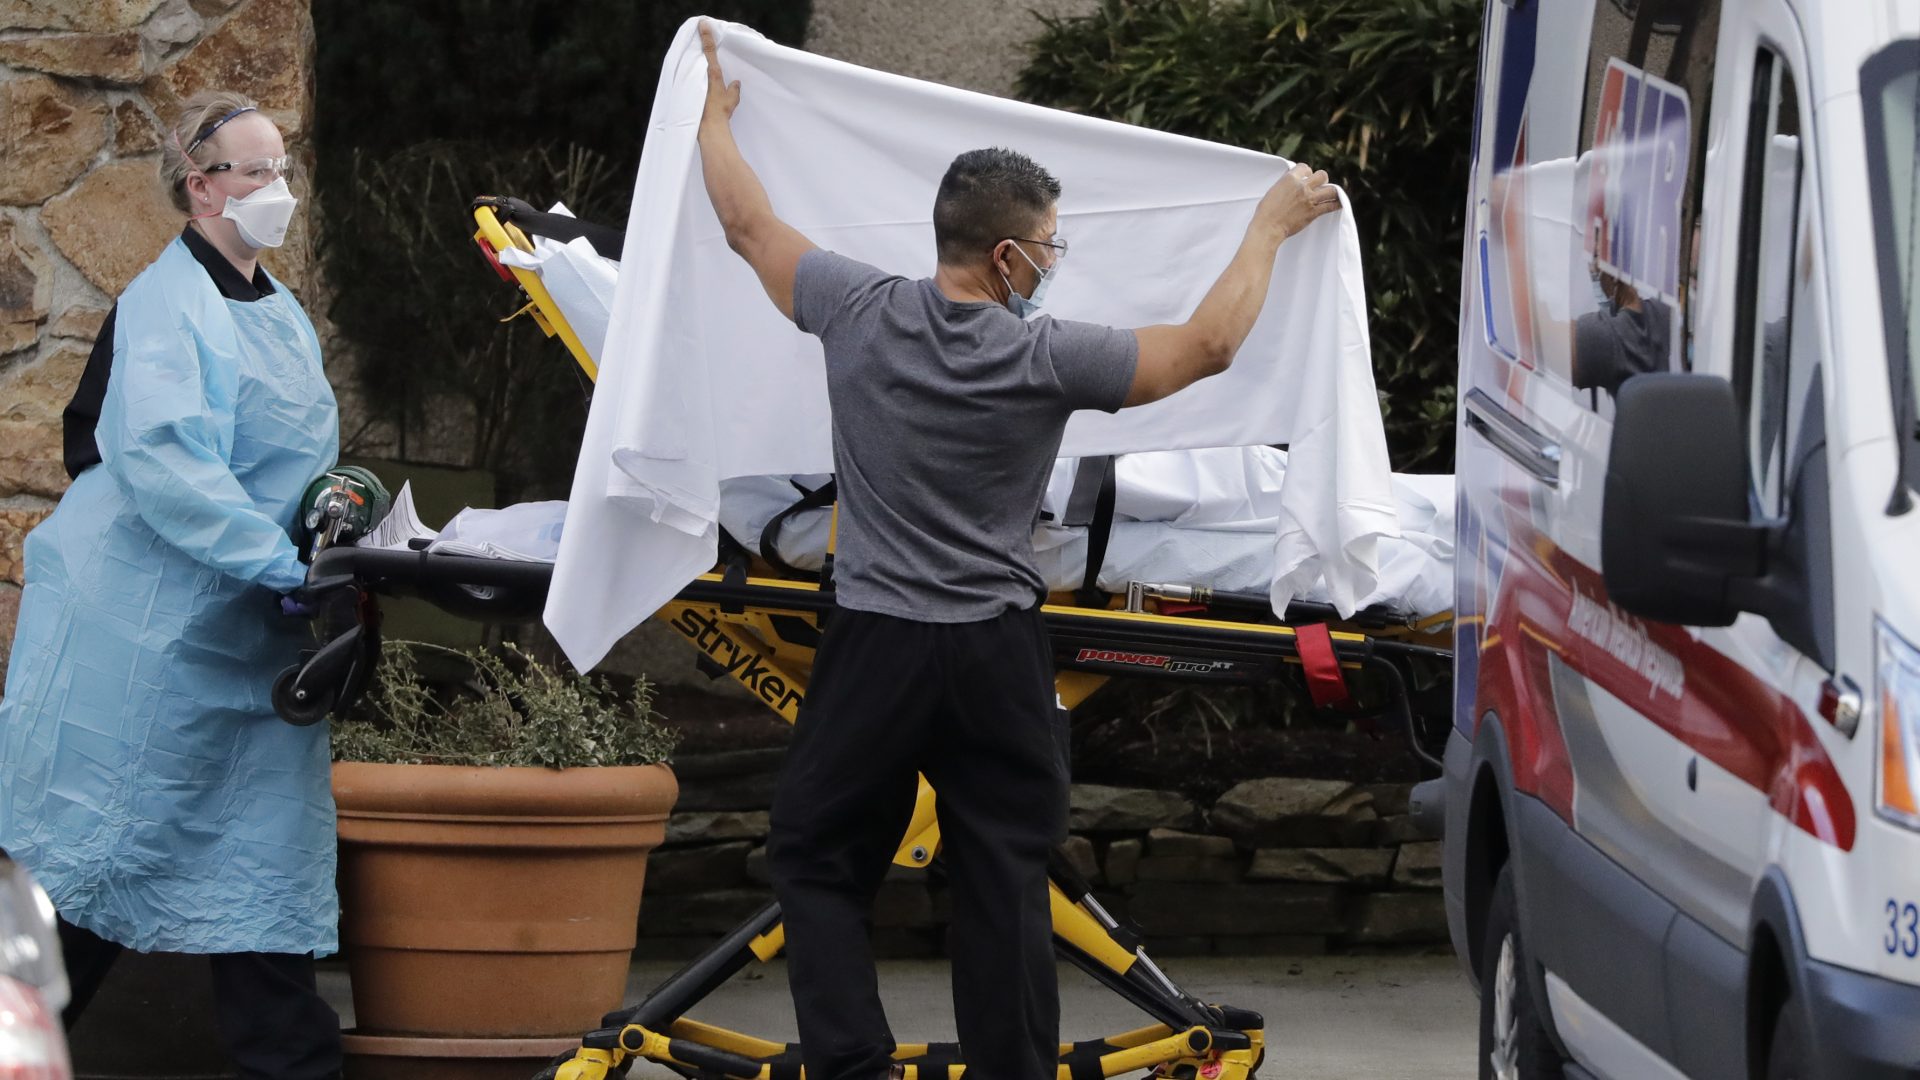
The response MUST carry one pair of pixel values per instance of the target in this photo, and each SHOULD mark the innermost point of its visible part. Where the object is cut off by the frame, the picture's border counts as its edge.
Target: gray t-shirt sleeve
(826, 283)
(1093, 363)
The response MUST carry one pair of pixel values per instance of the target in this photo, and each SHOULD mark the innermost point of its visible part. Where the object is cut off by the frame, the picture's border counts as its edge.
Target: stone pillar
(85, 86)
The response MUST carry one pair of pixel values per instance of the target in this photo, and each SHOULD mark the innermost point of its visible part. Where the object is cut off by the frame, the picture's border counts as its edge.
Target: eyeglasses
(1058, 243)
(261, 170)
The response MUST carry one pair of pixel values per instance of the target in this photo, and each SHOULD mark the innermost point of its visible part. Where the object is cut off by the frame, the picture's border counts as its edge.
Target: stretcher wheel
(295, 710)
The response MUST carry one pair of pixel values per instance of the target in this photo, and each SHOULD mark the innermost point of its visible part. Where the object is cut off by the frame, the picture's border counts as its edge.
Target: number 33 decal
(1903, 930)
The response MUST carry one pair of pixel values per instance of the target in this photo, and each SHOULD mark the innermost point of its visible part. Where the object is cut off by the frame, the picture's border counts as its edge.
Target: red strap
(1325, 683)
(493, 259)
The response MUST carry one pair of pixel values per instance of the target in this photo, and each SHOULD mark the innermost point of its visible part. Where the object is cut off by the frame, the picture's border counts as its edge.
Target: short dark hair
(987, 196)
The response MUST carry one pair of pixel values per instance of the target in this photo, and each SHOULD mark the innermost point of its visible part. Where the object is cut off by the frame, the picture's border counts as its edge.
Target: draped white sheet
(702, 379)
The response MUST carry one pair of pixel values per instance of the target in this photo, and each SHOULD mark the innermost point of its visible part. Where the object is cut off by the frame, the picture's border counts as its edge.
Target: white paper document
(523, 532)
(400, 527)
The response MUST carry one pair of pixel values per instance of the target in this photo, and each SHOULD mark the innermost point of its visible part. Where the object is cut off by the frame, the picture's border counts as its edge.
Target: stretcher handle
(1402, 707)
(376, 566)
(606, 240)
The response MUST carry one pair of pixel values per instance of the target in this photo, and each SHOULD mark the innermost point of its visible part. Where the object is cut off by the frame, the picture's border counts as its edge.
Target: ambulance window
(1890, 98)
(1770, 380)
(1637, 190)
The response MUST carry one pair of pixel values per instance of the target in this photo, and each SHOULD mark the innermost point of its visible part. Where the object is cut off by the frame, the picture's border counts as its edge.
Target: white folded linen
(523, 532)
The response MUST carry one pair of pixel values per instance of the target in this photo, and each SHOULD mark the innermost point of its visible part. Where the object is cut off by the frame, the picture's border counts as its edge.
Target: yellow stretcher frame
(495, 236)
(744, 641)
(737, 625)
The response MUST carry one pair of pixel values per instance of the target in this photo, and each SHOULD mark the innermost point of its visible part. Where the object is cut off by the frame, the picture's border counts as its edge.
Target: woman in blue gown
(144, 778)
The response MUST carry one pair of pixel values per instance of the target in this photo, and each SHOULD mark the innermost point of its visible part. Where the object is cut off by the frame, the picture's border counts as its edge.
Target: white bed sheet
(1194, 517)
(1218, 534)
(1189, 517)
(697, 369)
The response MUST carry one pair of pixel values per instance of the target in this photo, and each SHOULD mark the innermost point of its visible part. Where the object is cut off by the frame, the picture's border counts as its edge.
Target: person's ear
(199, 192)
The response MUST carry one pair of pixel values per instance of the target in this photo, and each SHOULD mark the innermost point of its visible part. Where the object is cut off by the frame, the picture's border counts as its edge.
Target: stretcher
(759, 625)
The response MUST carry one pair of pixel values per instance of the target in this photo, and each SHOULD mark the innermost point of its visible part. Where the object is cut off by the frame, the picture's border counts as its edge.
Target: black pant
(972, 706)
(274, 1022)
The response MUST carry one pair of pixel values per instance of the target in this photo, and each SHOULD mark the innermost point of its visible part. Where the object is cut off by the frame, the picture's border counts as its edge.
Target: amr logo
(1638, 174)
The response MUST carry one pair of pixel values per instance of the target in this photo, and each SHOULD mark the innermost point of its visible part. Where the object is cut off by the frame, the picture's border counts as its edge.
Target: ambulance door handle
(1513, 437)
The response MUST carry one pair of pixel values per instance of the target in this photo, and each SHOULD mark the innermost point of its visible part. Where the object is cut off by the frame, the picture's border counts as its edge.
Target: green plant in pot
(495, 817)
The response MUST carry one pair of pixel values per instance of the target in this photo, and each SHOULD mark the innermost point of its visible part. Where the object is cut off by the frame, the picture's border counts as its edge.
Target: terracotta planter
(394, 1057)
(479, 902)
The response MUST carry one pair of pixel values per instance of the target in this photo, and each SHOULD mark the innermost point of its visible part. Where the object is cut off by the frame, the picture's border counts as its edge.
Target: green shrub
(497, 708)
(1379, 93)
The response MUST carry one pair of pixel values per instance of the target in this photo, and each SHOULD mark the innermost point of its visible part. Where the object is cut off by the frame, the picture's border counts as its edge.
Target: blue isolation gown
(144, 777)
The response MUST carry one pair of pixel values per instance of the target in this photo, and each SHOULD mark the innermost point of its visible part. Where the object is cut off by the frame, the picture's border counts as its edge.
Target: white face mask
(263, 215)
(1025, 306)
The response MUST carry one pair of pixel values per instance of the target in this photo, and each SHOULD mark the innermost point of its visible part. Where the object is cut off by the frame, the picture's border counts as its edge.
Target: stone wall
(1275, 867)
(85, 86)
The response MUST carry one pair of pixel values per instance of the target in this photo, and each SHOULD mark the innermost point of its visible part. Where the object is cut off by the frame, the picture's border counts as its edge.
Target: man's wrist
(1272, 234)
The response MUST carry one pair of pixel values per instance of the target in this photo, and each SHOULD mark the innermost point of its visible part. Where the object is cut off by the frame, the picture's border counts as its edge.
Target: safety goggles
(259, 171)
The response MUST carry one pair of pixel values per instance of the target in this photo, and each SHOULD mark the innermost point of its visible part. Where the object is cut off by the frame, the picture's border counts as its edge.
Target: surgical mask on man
(1024, 306)
(263, 215)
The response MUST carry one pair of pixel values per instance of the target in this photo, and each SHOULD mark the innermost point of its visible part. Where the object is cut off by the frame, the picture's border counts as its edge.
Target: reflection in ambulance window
(1637, 190)
(1624, 336)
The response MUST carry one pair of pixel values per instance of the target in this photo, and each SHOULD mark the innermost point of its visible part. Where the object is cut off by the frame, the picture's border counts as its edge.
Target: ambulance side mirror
(1677, 543)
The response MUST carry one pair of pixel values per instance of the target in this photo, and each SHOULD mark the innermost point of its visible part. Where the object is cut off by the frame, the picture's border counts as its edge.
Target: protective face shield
(1025, 306)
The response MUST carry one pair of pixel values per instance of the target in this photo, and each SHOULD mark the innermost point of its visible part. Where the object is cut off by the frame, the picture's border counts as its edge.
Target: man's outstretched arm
(771, 246)
(1173, 357)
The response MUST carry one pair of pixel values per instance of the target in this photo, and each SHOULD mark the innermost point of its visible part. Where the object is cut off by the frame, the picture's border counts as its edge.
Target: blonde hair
(189, 144)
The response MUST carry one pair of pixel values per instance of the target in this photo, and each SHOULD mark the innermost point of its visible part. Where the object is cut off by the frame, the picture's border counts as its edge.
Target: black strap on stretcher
(735, 563)
(824, 495)
(607, 241)
(1090, 506)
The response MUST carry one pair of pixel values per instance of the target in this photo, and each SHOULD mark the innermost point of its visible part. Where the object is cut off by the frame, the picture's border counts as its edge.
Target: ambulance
(1682, 789)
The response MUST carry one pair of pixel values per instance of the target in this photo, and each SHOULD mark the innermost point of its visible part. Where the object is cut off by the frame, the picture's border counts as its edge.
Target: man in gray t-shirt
(947, 415)
(949, 401)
